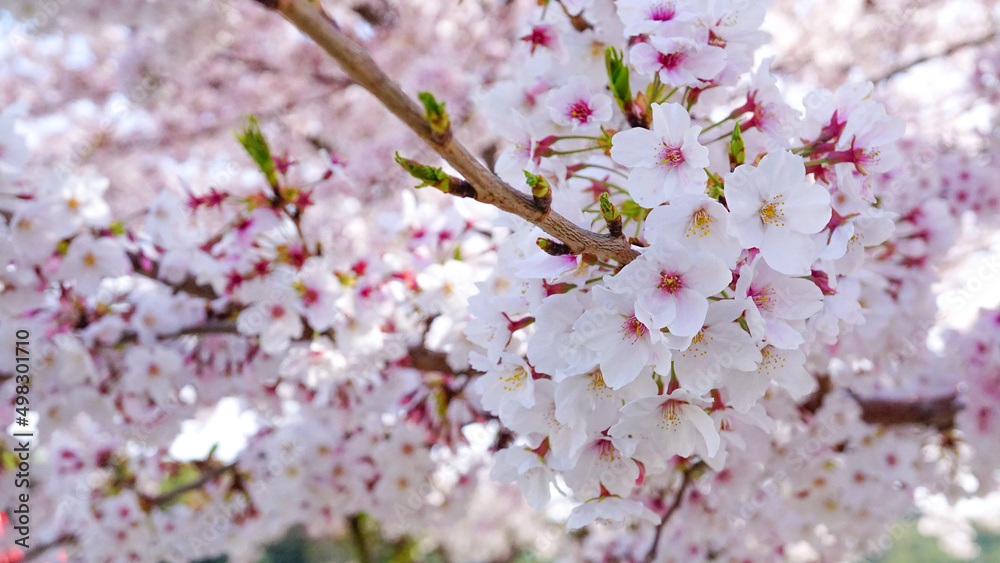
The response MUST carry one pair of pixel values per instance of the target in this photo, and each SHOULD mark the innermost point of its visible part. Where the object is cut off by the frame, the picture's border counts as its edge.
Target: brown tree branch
(188, 285)
(208, 327)
(938, 412)
(490, 189)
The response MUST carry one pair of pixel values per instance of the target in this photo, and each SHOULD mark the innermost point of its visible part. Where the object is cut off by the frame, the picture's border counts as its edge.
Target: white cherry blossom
(774, 208)
(679, 60)
(672, 287)
(776, 304)
(608, 510)
(696, 221)
(89, 261)
(654, 429)
(624, 345)
(574, 106)
(664, 161)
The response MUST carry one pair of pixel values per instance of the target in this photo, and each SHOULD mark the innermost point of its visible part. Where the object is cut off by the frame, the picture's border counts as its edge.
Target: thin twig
(678, 498)
(490, 189)
(206, 478)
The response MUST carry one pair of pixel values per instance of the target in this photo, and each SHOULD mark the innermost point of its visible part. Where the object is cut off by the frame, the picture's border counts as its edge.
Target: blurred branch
(151, 269)
(678, 498)
(425, 359)
(207, 477)
(946, 53)
(32, 554)
(208, 327)
(147, 503)
(490, 189)
(938, 412)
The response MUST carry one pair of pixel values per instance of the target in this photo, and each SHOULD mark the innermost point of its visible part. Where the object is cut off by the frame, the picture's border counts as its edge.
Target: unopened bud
(435, 114)
(540, 190)
(611, 216)
(553, 248)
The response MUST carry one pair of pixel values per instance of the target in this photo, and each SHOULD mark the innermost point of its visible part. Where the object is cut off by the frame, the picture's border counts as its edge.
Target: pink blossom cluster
(640, 370)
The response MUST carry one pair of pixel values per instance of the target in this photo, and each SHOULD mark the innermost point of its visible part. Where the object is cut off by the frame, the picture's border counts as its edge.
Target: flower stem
(559, 138)
(575, 151)
(608, 168)
(716, 124)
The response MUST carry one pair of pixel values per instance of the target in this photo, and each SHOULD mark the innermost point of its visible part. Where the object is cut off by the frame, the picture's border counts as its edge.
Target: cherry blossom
(607, 510)
(679, 60)
(654, 429)
(774, 302)
(696, 221)
(624, 344)
(89, 261)
(653, 16)
(774, 208)
(574, 106)
(664, 161)
(507, 385)
(672, 287)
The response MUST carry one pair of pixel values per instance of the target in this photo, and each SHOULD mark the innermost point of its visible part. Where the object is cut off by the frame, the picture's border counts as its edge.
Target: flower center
(596, 381)
(515, 380)
(662, 12)
(701, 224)
(698, 337)
(870, 156)
(606, 451)
(89, 260)
(671, 415)
(762, 298)
(310, 296)
(671, 282)
(772, 212)
(770, 362)
(633, 328)
(540, 36)
(580, 112)
(670, 61)
(672, 157)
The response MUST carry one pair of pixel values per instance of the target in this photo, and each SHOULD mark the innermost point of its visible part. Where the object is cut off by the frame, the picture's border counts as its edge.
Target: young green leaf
(737, 153)
(618, 77)
(255, 144)
(435, 113)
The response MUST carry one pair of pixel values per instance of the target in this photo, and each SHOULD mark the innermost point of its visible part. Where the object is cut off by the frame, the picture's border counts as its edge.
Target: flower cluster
(629, 373)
